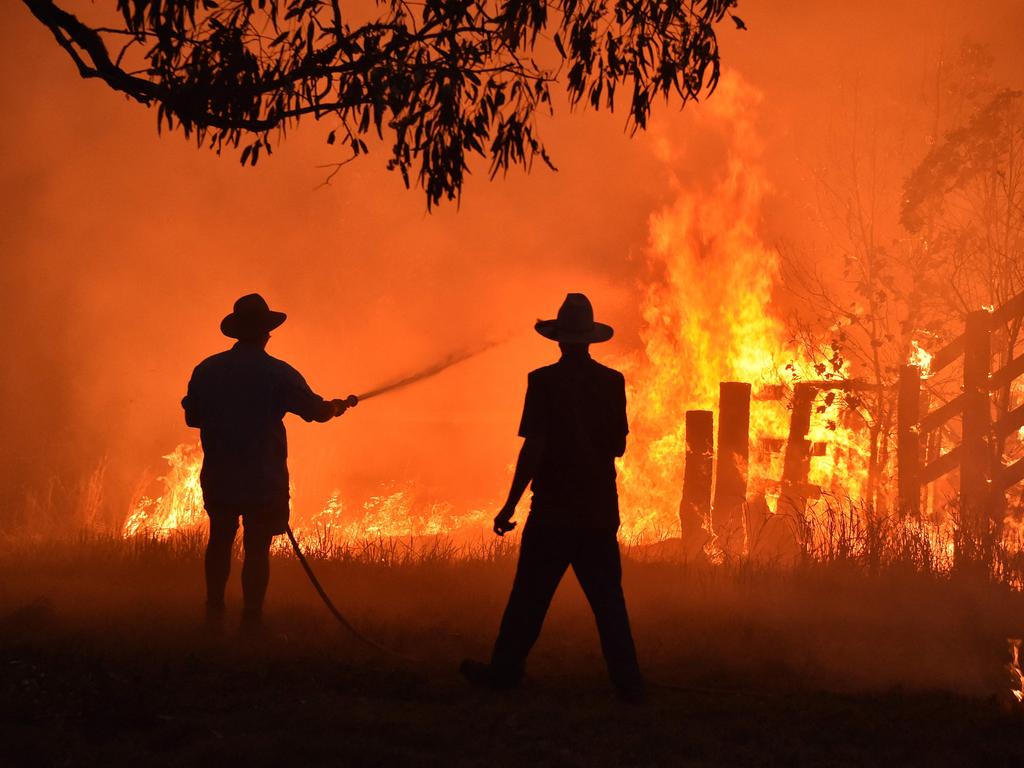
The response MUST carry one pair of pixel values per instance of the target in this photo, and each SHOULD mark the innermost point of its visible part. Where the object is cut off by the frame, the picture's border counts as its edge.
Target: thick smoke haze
(122, 250)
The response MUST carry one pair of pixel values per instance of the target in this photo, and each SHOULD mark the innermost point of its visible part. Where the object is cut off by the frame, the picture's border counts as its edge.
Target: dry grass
(827, 662)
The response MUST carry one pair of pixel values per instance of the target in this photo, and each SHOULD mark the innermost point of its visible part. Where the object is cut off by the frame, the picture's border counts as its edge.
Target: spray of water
(404, 381)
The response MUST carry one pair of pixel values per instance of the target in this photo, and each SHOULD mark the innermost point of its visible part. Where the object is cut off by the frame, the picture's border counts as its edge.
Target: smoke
(122, 250)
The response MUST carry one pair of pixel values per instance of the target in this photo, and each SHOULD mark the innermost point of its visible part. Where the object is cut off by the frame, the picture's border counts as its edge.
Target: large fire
(708, 317)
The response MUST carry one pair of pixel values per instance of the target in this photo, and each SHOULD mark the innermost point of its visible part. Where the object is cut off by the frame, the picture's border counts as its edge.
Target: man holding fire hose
(573, 425)
(238, 399)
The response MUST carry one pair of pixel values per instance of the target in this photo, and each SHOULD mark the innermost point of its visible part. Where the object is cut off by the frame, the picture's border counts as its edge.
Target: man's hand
(503, 520)
(340, 406)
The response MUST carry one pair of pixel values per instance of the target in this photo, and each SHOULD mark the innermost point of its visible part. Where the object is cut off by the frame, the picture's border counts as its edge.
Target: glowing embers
(1016, 674)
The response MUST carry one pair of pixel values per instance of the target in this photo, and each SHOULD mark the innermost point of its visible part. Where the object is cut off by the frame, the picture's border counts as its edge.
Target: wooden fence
(984, 479)
(715, 482)
(716, 472)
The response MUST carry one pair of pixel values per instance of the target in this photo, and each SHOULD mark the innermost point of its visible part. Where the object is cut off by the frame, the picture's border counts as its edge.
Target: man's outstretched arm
(301, 400)
(324, 410)
(526, 468)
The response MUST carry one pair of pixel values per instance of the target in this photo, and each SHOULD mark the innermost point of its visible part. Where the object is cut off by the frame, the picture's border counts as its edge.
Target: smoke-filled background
(122, 249)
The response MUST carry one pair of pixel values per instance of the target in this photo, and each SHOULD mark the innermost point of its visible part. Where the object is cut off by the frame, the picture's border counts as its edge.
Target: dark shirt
(238, 399)
(578, 407)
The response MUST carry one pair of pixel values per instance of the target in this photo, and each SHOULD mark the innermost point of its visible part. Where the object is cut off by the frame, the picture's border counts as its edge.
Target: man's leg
(543, 558)
(223, 528)
(255, 573)
(599, 570)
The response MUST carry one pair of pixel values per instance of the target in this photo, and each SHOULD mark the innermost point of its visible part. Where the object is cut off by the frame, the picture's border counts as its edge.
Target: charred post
(732, 465)
(908, 441)
(695, 507)
(976, 462)
(797, 460)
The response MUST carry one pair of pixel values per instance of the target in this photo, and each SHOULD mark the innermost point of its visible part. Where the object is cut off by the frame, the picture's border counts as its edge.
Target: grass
(827, 663)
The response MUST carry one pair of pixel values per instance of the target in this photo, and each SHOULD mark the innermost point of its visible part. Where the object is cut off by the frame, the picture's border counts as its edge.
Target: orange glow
(708, 317)
(672, 232)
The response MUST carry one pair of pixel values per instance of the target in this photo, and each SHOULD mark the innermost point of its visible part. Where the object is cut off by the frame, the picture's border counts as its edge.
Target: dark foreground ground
(102, 663)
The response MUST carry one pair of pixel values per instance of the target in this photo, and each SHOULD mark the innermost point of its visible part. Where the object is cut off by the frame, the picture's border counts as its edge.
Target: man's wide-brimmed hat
(575, 323)
(251, 317)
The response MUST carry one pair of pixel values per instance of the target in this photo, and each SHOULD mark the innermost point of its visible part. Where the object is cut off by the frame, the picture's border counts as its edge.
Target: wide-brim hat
(251, 317)
(575, 323)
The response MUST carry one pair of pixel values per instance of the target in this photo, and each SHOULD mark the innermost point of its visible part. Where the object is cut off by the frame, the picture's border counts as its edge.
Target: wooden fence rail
(983, 478)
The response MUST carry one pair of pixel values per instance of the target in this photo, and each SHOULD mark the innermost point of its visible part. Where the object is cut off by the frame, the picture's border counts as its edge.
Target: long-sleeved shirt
(238, 399)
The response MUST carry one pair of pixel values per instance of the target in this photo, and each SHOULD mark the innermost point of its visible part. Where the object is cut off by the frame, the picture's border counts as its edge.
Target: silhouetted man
(238, 399)
(574, 425)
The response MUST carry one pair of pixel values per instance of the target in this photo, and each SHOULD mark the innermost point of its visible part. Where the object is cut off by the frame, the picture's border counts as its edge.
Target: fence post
(695, 506)
(797, 459)
(976, 464)
(931, 447)
(908, 441)
(732, 465)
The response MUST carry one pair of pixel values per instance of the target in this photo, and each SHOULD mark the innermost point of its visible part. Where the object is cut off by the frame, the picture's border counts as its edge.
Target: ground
(104, 663)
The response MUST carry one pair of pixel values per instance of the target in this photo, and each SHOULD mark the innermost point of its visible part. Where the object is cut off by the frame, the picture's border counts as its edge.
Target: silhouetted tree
(440, 79)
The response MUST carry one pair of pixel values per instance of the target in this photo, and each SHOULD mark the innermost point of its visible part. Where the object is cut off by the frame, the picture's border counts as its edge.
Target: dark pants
(255, 568)
(544, 556)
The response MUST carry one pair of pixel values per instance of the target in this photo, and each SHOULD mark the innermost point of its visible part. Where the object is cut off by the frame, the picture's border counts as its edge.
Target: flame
(921, 358)
(708, 318)
(181, 504)
(1016, 673)
(392, 514)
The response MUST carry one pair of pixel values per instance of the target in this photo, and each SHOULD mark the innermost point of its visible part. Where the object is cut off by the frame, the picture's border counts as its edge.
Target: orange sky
(122, 250)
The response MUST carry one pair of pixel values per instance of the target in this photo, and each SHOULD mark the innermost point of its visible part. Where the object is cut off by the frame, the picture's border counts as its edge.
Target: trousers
(544, 556)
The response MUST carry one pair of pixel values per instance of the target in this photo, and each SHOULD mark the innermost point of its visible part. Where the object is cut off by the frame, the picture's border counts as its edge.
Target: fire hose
(351, 401)
(348, 625)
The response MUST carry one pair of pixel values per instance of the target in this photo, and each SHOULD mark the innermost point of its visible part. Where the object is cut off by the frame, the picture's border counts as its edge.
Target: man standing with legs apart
(238, 400)
(573, 425)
